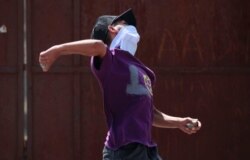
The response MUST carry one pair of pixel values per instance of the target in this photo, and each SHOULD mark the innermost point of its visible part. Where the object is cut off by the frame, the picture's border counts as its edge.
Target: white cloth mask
(127, 39)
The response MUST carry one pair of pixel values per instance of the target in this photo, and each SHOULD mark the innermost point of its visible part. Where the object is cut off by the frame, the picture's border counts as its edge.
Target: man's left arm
(186, 124)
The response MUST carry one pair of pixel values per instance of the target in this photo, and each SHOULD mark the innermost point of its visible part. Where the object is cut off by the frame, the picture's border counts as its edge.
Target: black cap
(100, 29)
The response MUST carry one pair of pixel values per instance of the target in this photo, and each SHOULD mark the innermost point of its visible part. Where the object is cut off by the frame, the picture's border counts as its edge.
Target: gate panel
(8, 116)
(11, 100)
(53, 117)
(9, 39)
(52, 104)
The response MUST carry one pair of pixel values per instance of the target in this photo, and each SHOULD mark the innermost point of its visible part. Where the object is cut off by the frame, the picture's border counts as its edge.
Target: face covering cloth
(126, 39)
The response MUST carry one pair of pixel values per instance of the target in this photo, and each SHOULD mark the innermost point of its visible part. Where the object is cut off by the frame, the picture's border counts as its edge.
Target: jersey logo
(147, 83)
(135, 87)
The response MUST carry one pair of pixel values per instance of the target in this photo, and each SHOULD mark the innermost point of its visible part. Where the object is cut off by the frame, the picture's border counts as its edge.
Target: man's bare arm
(163, 120)
(87, 47)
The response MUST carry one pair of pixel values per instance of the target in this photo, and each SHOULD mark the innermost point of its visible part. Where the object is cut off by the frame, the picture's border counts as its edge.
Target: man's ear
(112, 29)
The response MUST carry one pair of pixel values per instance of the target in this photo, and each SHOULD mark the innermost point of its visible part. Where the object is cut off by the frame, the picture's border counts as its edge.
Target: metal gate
(11, 80)
(198, 49)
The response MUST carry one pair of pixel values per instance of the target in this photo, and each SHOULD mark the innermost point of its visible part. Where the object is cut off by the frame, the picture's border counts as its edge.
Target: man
(126, 85)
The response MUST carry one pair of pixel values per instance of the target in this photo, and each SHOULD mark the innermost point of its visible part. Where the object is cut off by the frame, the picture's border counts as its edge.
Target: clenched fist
(48, 57)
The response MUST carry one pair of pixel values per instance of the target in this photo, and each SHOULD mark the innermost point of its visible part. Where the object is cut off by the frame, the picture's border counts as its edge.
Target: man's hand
(48, 57)
(189, 125)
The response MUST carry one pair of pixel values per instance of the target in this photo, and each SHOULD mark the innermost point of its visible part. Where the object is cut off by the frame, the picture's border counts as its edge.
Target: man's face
(118, 25)
(115, 28)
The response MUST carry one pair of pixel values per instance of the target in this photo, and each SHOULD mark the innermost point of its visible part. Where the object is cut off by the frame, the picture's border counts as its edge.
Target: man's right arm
(89, 47)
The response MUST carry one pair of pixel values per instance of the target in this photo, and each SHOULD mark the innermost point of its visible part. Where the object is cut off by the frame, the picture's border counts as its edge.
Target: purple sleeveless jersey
(128, 103)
